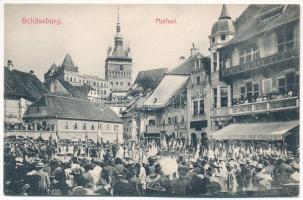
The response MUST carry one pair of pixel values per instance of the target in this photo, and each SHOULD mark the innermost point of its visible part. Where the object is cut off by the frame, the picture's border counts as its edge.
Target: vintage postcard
(145, 100)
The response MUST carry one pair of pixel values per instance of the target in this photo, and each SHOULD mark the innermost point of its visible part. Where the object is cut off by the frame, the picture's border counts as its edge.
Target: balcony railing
(284, 56)
(161, 128)
(266, 106)
(221, 112)
(258, 107)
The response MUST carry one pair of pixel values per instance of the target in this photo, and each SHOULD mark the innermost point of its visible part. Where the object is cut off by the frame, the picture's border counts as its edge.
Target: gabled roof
(68, 64)
(149, 79)
(249, 24)
(51, 106)
(23, 85)
(170, 85)
(188, 66)
(73, 91)
(80, 92)
(84, 89)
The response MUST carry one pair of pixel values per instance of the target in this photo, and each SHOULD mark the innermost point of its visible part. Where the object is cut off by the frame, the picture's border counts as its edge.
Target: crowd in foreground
(36, 167)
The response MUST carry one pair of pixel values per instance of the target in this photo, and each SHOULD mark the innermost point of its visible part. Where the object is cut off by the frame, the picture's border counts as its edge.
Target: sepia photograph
(151, 100)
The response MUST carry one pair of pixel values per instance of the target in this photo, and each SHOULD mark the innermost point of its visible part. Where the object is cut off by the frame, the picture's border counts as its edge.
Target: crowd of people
(28, 126)
(38, 167)
(267, 97)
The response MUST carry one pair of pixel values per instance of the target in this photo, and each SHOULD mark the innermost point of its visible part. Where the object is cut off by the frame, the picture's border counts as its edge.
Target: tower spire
(224, 13)
(118, 21)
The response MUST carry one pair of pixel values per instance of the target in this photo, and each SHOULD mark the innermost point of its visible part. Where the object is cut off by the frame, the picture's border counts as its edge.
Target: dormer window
(270, 11)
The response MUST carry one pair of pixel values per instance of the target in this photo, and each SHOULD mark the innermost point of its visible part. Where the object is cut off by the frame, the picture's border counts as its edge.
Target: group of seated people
(28, 126)
(265, 97)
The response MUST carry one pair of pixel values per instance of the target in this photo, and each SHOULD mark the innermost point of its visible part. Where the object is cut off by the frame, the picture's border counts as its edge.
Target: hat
(156, 187)
(216, 165)
(294, 165)
(259, 166)
(242, 162)
(19, 161)
(36, 160)
(206, 166)
(152, 178)
(39, 165)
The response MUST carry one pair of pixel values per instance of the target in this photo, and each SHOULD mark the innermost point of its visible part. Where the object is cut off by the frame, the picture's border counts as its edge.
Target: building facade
(76, 118)
(69, 72)
(259, 67)
(118, 64)
(20, 90)
(163, 114)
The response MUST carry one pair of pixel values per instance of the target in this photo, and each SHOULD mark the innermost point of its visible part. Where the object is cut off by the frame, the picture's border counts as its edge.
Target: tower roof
(224, 13)
(224, 25)
(68, 64)
(119, 51)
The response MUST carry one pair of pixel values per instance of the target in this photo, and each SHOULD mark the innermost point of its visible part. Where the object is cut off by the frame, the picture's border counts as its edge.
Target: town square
(221, 121)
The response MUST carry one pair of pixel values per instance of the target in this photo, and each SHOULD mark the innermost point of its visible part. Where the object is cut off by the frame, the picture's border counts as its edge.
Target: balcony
(221, 112)
(266, 106)
(262, 62)
(258, 107)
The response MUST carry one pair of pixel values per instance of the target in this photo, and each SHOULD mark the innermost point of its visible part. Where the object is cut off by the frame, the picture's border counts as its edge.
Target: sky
(86, 31)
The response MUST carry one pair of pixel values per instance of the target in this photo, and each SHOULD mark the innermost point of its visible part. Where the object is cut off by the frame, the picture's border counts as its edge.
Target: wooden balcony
(258, 107)
(221, 112)
(266, 106)
(262, 62)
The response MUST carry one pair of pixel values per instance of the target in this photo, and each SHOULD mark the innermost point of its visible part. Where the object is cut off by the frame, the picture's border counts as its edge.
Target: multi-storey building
(69, 72)
(74, 118)
(20, 90)
(222, 32)
(178, 110)
(144, 84)
(259, 68)
(118, 64)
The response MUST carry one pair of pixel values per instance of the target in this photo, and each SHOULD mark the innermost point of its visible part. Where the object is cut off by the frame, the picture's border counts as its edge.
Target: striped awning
(255, 131)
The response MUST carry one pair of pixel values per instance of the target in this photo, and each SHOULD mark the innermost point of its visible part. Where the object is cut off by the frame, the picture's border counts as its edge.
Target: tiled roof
(73, 91)
(22, 84)
(150, 78)
(188, 66)
(70, 108)
(168, 87)
(248, 24)
(136, 103)
(85, 89)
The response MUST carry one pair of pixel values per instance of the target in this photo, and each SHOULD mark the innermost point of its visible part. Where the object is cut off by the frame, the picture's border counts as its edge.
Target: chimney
(181, 59)
(31, 72)
(10, 65)
(193, 50)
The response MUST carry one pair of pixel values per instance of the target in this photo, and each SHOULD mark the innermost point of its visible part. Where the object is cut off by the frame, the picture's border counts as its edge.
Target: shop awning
(255, 131)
